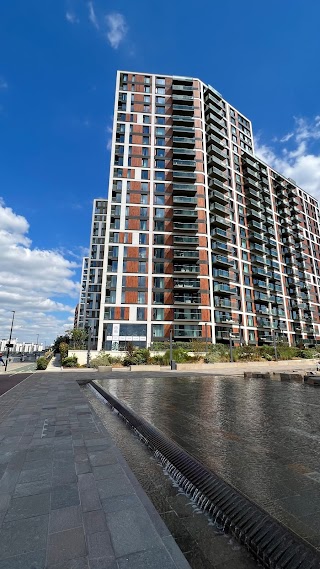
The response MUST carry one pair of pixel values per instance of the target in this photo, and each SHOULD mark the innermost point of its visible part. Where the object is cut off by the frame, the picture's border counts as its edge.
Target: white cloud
(3, 84)
(92, 16)
(301, 159)
(72, 18)
(33, 282)
(116, 29)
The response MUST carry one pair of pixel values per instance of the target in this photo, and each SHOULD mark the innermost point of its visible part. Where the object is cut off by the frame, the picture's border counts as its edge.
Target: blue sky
(57, 74)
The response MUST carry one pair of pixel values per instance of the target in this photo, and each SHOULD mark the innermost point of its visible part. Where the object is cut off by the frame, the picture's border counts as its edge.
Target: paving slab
(68, 499)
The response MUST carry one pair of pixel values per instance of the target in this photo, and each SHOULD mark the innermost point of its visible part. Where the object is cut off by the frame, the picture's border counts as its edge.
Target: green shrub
(102, 359)
(309, 353)
(246, 354)
(71, 361)
(42, 363)
(136, 356)
(63, 350)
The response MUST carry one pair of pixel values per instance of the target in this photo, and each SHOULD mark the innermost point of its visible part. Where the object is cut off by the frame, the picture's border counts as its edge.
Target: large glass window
(158, 298)
(158, 330)
(158, 282)
(158, 314)
(141, 297)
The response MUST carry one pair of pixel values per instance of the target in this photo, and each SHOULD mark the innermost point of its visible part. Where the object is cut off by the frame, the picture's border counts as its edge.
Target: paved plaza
(68, 500)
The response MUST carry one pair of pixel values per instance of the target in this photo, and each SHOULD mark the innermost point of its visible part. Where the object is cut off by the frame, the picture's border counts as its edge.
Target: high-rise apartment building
(198, 236)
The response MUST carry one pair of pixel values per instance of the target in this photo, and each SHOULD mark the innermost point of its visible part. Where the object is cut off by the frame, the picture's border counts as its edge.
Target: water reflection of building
(201, 237)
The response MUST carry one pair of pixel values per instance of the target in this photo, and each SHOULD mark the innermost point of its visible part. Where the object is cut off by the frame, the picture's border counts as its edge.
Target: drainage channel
(269, 541)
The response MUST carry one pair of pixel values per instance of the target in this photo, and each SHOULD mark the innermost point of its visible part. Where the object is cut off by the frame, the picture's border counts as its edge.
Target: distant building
(199, 236)
(21, 347)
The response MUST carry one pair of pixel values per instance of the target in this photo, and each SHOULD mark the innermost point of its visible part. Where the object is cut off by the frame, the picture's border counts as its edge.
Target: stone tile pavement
(68, 499)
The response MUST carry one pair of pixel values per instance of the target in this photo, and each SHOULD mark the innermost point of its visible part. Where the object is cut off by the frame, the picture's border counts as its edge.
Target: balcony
(189, 213)
(221, 260)
(212, 119)
(223, 319)
(217, 220)
(182, 88)
(186, 269)
(215, 184)
(178, 119)
(217, 196)
(214, 97)
(183, 129)
(183, 109)
(260, 284)
(255, 214)
(186, 283)
(182, 254)
(212, 130)
(221, 274)
(254, 236)
(185, 240)
(218, 174)
(224, 288)
(184, 175)
(222, 302)
(185, 200)
(184, 163)
(214, 108)
(179, 97)
(184, 188)
(187, 314)
(183, 141)
(218, 208)
(222, 335)
(220, 233)
(186, 299)
(214, 161)
(253, 192)
(220, 246)
(215, 146)
(187, 332)
(185, 226)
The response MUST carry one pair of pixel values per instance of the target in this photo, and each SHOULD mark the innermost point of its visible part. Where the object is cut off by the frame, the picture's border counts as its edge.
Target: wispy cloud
(92, 16)
(116, 29)
(3, 83)
(300, 159)
(72, 18)
(111, 26)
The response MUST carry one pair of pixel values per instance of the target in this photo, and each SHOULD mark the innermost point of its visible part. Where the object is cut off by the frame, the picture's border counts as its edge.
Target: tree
(78, 338)
(58, 341)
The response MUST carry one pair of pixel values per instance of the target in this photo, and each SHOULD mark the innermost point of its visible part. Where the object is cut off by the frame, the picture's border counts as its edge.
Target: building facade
(199, 237)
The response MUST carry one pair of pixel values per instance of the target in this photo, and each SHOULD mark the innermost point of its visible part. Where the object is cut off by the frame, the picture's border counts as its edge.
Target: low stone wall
(145, 368)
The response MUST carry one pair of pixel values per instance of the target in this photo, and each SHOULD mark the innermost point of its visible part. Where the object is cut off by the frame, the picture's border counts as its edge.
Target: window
(160, 120)
(142, 252)
(160, 91)
(159, 141)
(160, 164)
(158, 330)
(161, 100)
(141, 313)
(158, 298)
(159, 200)
(142, 267)
(145, 140)
(146, 108)
(145, 151)
(159, 254)
(158, 314)
(144, 199)
(147, 80)
(146, 99)
(160, 175)
(143, 212)
(250, 320)
(114, 238)
(158, 282)
(144, 174)
(161, 110)
(159, 267)
(143, 225)
(160, 131)
(142, 282)
(160, 153)
(146, 130)
(160, 188)
(146, 89)
(145, 163)
(143, 238)
(159, 212)
(159, 225)
(145, 186)
(146, 119)
(114, 267)
(141, 297)
(109, 313)
(160, 81)
(158, 239)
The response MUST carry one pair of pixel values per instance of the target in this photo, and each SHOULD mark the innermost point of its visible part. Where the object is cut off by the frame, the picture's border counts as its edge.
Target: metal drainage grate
(271, 543)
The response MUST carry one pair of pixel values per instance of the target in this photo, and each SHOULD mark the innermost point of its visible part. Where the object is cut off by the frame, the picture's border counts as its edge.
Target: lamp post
(206, 329)
(170, 348)
(89, 345)
(274, 344)
(9, 343)
(231, 346)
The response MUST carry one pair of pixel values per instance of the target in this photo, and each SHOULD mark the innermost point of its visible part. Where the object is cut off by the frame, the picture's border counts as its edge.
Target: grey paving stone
(90, 500)
(66, 545)
(86, 481)
(131, 531)
(102, 563)
(32, 488)
(155, 558)
(94, 521)
(64, 496)
(4, 501)
(34, 560)
(37, 464)
(28, 506)
(64, 477)
(78, 563)
(111, 487)
(36, 475)
(101, 472)
(101, 458)
(118, 503)
(39, 454)
(8, 481)
(175, 552)
(99, 545)
(64, 519)
(22, 536)
(83, 467)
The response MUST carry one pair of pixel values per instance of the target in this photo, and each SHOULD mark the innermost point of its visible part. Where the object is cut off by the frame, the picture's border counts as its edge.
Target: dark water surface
(261, 436)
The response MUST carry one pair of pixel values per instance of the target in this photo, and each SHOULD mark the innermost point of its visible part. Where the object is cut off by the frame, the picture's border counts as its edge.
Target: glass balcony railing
(184, 187)
(184, 163)
(187, 175)
(190, 213)
(186, 254)
(185, 226)
(187, 314)
(186, 299)
(222, 302)
(186, 269)
(187, 332)
(220, 260)
(185, 240)
(185, 200)
(183, 141)
(186, 283)
(224, 288)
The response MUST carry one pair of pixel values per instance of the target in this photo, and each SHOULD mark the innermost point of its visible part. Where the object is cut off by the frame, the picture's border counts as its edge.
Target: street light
(274, 344)
(171, 348)
(9, 345)
(89, 345)
(206, 328)
(231, 346)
